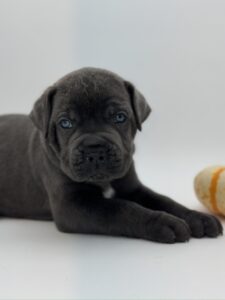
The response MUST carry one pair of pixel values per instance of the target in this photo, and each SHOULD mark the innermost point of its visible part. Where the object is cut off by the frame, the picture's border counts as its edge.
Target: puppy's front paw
(169, 229)
(203, 225)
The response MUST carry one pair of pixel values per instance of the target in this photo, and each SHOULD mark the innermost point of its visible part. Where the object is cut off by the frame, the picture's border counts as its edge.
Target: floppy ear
(41, 112)
(139, 105)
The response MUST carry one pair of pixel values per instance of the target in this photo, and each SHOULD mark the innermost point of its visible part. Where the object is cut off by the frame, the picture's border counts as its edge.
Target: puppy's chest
(108, 191)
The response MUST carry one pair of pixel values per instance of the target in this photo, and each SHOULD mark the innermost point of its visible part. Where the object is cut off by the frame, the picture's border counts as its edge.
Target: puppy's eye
(120, 117)
(65, 123)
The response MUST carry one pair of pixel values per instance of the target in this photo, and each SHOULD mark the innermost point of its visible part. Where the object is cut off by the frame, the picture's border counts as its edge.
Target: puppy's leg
(86, 211)
(200, 224)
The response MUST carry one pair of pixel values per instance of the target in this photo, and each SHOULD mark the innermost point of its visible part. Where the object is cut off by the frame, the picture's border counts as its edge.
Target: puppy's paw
(168, 229)
(203, 225)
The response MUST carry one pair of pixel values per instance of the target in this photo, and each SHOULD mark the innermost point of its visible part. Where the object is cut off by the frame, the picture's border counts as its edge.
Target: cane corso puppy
(71, 161)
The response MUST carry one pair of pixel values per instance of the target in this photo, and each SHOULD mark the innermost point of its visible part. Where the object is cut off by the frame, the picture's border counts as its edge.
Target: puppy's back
(18, 195)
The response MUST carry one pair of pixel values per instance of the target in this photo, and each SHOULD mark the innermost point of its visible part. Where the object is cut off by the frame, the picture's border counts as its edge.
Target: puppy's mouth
(96, 177)
(97, 164)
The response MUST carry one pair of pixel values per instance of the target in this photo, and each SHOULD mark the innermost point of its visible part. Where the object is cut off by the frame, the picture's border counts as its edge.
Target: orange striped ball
(209, 187)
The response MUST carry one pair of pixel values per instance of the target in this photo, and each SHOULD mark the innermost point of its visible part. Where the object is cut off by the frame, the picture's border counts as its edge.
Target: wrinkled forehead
(91, 93)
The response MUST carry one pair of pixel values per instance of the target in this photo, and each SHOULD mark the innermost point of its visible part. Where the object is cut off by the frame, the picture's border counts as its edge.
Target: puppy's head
(89, 119)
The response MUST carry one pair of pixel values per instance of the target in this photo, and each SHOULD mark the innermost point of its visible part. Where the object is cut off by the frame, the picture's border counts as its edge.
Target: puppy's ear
(139, 105)
(41, 112)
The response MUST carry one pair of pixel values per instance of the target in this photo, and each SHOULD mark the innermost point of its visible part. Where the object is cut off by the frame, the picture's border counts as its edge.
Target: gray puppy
(71, 161)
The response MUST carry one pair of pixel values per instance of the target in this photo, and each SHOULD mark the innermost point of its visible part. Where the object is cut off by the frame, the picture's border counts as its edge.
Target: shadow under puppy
(77, 146)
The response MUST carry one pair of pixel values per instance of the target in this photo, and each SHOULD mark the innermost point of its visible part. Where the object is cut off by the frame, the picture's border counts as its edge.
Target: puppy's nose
(95, 157)
(94, 150)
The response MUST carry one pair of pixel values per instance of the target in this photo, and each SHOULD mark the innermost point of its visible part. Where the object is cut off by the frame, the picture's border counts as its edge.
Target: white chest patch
(108, 192)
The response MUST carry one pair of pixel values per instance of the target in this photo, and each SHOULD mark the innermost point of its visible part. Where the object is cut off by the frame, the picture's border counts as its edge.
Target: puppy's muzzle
(96, 158)
(94, 153)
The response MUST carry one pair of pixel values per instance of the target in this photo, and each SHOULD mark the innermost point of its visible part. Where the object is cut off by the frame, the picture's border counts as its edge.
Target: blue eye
(120, 118)
(65, 123)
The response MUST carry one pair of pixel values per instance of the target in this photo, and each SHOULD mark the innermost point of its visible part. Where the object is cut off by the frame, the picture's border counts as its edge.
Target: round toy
(209, 187)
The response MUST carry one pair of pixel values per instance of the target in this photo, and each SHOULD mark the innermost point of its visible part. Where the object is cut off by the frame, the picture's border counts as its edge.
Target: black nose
(94, 151)
(95, 157)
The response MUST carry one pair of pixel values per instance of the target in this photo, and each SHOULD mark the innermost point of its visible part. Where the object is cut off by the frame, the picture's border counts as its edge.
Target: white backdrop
(173, 50)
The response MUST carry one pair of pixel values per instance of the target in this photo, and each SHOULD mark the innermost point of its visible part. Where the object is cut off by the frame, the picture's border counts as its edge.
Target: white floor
(38, 262)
